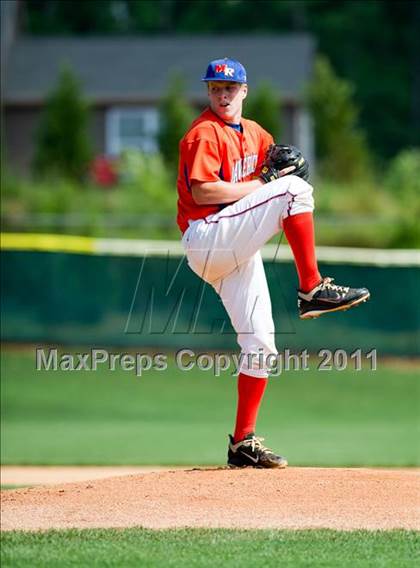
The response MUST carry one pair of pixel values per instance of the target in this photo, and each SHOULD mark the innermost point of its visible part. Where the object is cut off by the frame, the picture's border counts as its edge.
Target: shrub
(402, 181)
(176, 116)
(143, 205)
(339, 142)
(146, 184)
(263, 106)
(62, 140)
(403, 176)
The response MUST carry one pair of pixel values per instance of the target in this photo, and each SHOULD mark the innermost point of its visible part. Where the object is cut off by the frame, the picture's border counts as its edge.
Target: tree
(402, 181)
(339, 142)
(62, 140)
(176, 116)
(263, 106)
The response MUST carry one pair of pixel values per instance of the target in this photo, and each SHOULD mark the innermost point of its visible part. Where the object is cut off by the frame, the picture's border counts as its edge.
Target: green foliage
(263, 106)
(403, 176)
(143, 205)
(378, 213)
(176, 116)
(403, 183)
(146, 184)
(358, 214)
(340, 144)
(62, 141)
(73, 17)
(375, 45)
(381, 212)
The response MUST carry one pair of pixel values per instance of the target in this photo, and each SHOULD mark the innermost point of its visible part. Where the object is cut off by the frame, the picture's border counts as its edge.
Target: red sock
(299, 230)
(250, 393)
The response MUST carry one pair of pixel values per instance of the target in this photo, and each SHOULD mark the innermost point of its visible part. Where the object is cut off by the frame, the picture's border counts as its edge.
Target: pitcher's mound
(294, 498)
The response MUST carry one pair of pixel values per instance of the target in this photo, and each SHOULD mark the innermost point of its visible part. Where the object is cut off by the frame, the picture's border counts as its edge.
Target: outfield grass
(209, 548)
(173, 417)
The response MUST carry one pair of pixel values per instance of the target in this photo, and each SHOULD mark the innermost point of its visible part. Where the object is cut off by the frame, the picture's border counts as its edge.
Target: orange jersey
(212, 150)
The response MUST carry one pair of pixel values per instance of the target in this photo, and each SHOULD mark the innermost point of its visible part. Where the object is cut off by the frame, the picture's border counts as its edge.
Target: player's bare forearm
(215, 192)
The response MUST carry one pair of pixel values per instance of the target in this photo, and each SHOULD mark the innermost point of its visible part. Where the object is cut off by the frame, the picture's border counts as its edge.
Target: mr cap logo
(225, 70)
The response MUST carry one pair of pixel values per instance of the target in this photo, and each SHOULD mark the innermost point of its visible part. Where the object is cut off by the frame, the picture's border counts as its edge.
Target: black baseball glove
(279, 157)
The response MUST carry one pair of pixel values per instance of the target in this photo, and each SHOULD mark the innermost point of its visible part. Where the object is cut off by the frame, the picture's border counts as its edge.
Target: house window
(128, 128)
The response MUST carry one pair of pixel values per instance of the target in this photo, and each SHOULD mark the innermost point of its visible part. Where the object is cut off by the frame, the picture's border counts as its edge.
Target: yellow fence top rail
(134, 247)
(47, 243)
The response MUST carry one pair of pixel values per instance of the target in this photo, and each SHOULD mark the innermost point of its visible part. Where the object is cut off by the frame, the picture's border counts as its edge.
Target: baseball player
(236, 190)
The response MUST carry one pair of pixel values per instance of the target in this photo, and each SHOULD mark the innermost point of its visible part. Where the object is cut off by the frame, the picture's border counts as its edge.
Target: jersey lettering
(244, 167)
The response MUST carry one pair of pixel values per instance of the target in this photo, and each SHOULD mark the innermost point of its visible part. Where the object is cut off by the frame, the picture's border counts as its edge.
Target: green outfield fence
(141, 294)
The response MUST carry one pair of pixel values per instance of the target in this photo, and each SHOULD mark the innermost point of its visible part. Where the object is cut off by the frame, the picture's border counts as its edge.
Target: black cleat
(329, 297)
(250, 452)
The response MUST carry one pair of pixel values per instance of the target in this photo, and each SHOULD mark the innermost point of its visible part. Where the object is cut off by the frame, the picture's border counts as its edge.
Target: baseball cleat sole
(316, 313)
(232, 466)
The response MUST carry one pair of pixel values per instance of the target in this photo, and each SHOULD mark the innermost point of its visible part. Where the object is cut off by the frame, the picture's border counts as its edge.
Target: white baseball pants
(224, 250)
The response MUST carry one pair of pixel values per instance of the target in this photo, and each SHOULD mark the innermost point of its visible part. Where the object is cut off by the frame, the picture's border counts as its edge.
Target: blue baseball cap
(225, 70)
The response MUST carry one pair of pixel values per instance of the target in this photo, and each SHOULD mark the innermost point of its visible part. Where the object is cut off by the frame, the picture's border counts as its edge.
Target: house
(124, 79)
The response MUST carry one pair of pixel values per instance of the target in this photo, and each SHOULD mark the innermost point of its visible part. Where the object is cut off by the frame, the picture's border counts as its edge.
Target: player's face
(226, 99)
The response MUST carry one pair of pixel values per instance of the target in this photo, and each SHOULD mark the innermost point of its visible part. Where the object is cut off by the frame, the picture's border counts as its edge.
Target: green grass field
(332, 418)
(210, 548)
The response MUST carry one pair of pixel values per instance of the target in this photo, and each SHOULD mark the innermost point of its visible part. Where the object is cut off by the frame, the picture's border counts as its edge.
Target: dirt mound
(294, 498)
(52, 474)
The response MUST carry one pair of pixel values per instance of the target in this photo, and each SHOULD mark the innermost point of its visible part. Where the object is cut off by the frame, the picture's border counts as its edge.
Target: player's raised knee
(299, 186)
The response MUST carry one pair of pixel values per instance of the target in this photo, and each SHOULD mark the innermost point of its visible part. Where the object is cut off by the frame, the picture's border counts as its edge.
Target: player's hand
(281, 160)
(286, 171)
(269, 174)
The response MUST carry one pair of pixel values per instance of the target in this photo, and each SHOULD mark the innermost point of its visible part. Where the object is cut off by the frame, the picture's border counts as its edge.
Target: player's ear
(244, 90)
